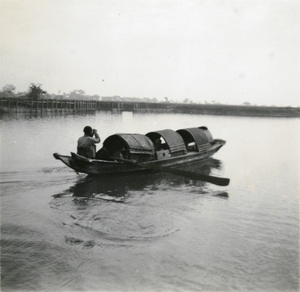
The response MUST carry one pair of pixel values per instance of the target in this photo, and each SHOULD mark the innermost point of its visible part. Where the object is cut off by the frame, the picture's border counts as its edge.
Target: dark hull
(99, 167)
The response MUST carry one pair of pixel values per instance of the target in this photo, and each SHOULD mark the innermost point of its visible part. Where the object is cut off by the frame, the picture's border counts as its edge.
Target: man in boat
(157, 144)
(86, 144)
(118, 153)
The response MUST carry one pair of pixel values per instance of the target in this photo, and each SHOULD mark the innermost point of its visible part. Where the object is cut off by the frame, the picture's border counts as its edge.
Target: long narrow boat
(164, 148)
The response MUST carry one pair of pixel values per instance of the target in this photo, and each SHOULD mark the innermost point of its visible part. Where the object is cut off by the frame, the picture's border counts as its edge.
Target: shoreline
(76, 106)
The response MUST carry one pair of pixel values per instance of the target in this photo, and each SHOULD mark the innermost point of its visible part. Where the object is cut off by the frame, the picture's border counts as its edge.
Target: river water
(61, 231)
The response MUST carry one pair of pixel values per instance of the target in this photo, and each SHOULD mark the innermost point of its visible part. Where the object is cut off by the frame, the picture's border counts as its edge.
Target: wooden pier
(46, 105)
(16, 105)
(10, 105)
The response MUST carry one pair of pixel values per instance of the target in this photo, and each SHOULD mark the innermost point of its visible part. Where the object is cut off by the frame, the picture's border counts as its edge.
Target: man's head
(88, 131)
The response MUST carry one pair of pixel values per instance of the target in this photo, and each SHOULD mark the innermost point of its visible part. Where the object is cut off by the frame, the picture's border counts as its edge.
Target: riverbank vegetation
(78, 99)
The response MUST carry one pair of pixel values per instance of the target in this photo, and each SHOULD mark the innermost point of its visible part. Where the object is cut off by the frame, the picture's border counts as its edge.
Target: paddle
(193, 175)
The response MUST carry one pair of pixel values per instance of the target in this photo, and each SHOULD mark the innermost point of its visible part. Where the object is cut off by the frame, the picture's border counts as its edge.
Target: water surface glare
(61, 231)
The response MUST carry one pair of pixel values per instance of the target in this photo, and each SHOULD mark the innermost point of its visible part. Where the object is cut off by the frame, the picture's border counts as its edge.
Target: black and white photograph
(149, 145)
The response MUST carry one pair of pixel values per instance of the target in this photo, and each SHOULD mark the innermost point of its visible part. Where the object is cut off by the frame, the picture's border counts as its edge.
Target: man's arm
(97, 137)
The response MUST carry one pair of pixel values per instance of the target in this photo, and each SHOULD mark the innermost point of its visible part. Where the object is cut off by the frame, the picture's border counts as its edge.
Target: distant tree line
(36, 92)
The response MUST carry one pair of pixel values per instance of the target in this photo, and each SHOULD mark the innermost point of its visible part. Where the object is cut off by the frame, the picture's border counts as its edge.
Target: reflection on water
(42, 115)
(119, 185)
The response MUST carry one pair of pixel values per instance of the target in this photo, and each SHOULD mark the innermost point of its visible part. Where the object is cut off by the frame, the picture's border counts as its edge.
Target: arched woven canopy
(174, 140)
(134, 143)
(199, 135)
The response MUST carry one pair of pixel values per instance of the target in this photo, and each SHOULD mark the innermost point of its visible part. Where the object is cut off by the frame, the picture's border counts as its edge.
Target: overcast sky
(232, 51)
